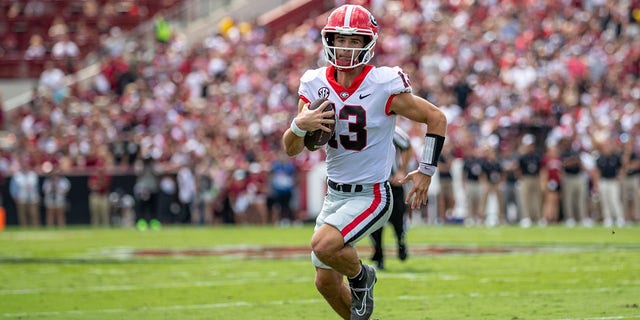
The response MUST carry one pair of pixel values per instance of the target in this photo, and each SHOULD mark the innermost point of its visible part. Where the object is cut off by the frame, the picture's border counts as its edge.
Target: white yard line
(229, 305)
(604, 318)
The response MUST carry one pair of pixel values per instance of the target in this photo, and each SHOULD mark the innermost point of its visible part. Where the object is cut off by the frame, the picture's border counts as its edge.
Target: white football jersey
(361, 151)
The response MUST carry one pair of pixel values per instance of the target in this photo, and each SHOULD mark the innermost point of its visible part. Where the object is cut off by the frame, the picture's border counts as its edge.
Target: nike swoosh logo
(362, 96)
(363, 307)
(363, 303)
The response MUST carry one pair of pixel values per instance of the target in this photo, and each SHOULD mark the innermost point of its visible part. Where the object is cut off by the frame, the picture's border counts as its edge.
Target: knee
(325, 243)
(327, 285)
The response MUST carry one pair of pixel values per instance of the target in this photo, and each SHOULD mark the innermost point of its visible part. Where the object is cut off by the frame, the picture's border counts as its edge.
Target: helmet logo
(373, 20)
(323, 92)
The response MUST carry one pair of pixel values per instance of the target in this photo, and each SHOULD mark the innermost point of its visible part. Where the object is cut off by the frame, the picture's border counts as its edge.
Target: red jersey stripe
(377, 198)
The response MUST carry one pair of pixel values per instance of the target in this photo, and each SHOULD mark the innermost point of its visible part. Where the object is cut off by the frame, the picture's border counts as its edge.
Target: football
(316, 139)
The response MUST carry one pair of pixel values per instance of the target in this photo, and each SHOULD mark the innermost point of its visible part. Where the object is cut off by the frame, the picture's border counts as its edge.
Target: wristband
(296, 130)
(433, 144)
(427, 169)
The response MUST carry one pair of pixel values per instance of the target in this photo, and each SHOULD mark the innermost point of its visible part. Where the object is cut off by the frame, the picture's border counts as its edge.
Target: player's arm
(306, 120)
(420, 110)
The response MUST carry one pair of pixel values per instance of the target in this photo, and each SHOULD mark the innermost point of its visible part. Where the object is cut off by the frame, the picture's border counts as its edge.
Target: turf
(453, 272)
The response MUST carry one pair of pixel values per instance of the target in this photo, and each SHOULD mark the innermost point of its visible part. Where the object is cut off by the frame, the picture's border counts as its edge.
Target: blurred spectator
(99, 183)
(446, 197)
(529, 178)
(9, 43)
(195, 81)
(2, 114)
(573, 186)
(187, 194)
(282, 181)
(511, 197)
(237, 194)
(168, 207)
(67, 51)
(492, 179)
(15, 9)
(163, 29)
(58, 28)
(24, 189)
(258, 192)
(550, 178)
(36, 8)
(65, 48)
(146, 189)
(90, 8)
(84, 35)
(36, 49)
(472, 171)
(52, 79)
(607, 183)
(631, 180)
(207, 192)
(55, 188)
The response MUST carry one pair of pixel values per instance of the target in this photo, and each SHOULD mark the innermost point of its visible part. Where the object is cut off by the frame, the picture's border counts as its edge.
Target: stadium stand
(84, 21)
(220, 105)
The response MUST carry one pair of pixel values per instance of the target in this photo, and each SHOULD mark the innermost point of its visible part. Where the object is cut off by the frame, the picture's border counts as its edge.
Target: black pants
(283, 202)
(397, 221)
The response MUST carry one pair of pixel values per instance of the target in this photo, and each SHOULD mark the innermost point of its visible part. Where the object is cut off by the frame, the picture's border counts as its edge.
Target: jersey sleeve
(305, 90)
(394, 80)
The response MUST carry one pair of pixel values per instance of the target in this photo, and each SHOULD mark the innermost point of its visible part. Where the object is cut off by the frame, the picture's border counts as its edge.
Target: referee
(404, 153)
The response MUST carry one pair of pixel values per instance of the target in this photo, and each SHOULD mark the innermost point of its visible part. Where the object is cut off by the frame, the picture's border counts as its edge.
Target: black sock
(359, 281)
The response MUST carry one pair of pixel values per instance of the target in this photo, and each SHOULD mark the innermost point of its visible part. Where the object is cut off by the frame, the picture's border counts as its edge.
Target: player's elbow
(290, 147)
(290, 152)
(437, 121)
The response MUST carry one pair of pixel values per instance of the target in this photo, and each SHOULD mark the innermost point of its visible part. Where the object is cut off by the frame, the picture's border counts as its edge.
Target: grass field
(453, 272)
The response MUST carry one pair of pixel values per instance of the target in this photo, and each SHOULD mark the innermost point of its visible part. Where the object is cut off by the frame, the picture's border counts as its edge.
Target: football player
(360, 154)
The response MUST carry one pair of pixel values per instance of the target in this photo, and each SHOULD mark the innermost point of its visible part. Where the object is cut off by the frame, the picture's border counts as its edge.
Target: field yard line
(605, 318)
(222, 305)
(161, 308)
(240, 282)
(507, 293)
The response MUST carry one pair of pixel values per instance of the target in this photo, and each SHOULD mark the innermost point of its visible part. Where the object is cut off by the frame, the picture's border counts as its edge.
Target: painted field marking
(230, 305)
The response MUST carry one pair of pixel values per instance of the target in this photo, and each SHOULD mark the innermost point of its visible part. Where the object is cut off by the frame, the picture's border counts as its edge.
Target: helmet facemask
(350, 20)
(359, 56)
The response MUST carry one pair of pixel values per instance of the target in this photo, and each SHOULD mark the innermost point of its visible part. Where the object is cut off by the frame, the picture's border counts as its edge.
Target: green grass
(543, 273)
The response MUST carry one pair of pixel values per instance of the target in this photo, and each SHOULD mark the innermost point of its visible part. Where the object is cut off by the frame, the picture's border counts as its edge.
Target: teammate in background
(360, 154)
(446, 197)
(403, 155)
(492, 179)
(574, 185)
(472, 170)
(530, 162)
(55, 188)
(550, 182)
(607, 182)
(631, 180)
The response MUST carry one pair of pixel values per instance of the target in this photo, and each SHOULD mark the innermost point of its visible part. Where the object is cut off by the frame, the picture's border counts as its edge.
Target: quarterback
(360, 154)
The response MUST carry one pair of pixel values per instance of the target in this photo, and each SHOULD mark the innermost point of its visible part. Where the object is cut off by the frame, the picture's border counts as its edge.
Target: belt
(344, 187)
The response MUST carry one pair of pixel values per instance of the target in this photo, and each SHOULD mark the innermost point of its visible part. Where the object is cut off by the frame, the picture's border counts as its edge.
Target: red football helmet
(350, 20)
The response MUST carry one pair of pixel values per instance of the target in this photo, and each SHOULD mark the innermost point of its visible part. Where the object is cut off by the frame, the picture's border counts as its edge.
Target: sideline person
(359, 154)
(404, 154)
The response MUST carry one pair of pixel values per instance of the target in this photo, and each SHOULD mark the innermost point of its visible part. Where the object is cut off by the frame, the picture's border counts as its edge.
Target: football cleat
(362, 298)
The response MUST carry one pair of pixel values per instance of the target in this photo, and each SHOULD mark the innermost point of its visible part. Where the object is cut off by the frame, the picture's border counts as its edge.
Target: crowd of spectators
(66, 30)
(510, 75)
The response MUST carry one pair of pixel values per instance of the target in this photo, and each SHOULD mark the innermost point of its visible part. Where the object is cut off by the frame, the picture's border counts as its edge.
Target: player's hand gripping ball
(316, 139)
